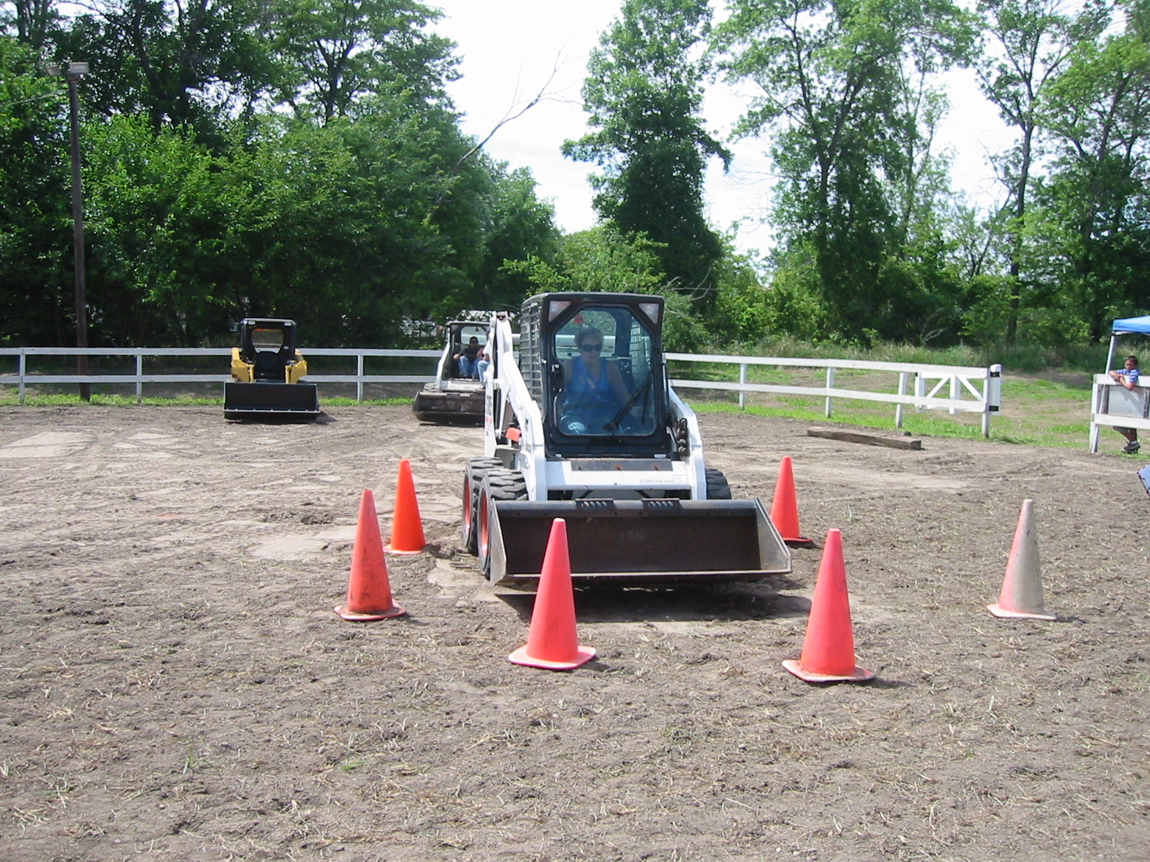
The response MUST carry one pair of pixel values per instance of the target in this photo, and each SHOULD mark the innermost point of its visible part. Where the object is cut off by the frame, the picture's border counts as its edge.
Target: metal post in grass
(992, 395)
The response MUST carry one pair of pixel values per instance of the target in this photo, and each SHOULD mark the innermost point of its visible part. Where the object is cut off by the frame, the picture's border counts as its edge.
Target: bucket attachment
(639, 540)
(265, 400)
(462, 404)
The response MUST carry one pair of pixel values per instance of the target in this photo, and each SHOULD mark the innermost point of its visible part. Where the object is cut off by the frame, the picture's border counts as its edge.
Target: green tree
(519, 226)
(204, 201)
(153, 219)
(644, 95)
(339, 224)
(36, 275)
(833, 88)
(603, 259)
(1090, 226)
(335, 52)
(191, 63)
(34, 21)
(1033, 41)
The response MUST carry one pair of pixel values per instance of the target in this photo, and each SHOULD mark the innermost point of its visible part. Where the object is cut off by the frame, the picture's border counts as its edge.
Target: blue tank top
(583, 391)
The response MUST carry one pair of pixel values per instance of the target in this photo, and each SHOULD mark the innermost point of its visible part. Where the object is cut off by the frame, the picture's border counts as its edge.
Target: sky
(512, 50)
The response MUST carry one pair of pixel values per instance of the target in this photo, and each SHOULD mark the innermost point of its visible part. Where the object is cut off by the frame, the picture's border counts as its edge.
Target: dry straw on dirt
(177, 686)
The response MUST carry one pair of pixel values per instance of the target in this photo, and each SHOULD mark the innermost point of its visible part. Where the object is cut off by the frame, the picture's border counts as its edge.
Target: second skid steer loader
(585, 427)
(454, 396)
(267, 374)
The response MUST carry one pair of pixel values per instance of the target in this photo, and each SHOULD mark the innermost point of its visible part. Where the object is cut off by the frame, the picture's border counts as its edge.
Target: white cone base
(1003, 613)
(584, 654)
(353, 617)
(399, 551)
(857, 675)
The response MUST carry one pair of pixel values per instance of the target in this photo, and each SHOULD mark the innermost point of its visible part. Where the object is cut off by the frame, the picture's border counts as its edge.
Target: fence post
(898, 410)
(1096, 406)
(139, 378)
(359, 380)
(830, 386)
(743, 380)
(992, 395)
(23, 371)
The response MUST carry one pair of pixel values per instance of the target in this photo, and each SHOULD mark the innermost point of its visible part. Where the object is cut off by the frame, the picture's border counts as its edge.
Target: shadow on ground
(758, 600)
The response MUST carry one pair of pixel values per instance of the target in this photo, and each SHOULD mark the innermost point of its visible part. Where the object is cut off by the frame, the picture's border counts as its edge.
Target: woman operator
(593, 389)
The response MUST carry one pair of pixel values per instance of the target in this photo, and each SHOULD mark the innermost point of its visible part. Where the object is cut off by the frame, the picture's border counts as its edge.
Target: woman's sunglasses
(587, 348)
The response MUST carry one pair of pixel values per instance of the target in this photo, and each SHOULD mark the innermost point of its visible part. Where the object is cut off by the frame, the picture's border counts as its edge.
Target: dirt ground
(176, 684)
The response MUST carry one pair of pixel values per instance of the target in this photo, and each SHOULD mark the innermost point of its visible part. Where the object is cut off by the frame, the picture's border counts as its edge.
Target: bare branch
(517, 110)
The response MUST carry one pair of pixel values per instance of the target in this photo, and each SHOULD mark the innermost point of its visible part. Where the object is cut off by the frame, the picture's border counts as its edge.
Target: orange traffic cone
(785, 509)
(406, 526)
(553, 643)
(829, 648)
(368, 589)
(1021, 595)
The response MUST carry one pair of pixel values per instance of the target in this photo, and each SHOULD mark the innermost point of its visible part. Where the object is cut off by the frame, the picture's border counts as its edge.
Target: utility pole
(72, 71)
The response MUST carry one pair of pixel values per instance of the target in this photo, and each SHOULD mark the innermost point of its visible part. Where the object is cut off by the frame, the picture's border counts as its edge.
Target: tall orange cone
(368, 588)
(406, 526)
(553, 643)
(785, 508)
(829, 648)
(1021, 595)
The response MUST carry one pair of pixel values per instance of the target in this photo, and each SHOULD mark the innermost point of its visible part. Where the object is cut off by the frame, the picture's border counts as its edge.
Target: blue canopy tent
(1126, 326)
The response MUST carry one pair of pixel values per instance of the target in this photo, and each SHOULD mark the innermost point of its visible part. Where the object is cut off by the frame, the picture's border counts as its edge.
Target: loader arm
(509, 405)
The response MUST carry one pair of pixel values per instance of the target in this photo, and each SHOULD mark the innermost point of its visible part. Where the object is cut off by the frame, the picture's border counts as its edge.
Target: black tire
(499, 485)
(473, 474)
(718, 488)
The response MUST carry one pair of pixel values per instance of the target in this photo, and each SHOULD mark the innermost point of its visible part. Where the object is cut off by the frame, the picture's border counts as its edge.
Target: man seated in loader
(468, 359)
(593, 389)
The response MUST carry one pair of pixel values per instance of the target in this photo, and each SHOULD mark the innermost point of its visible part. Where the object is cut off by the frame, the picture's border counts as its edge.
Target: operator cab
(604, 390)
(269, 345)
(461, 334)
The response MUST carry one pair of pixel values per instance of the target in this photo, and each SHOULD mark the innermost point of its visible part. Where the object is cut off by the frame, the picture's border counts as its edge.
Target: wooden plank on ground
(870, 439)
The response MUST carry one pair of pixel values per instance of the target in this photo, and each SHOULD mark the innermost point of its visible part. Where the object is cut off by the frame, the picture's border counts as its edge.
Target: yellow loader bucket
(638, 540)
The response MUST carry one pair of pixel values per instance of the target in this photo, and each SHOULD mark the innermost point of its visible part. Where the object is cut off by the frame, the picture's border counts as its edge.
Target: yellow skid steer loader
(267, 374)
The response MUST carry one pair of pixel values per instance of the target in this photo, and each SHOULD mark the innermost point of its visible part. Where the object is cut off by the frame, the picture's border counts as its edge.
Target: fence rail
(967, 389)
(23, 378)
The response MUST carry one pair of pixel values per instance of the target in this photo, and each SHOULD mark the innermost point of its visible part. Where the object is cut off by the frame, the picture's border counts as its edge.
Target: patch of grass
(1035, 411)
(377, 402)
(9, 397)
(195, 761)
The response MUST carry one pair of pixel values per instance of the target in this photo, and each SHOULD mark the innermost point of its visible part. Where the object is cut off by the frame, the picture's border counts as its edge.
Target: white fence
(23, 378)
(1115, 406)
(967, 389)
(923, 387)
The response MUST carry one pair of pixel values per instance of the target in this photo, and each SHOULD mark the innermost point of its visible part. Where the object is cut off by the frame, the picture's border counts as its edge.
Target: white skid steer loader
(583, 425)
